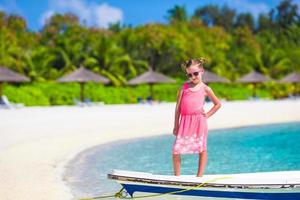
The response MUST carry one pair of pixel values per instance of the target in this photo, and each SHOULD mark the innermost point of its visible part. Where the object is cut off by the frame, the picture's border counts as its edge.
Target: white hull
(267, 185)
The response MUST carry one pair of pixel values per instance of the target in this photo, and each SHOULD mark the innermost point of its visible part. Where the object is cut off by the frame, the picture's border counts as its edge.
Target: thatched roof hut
(83, 76)
(150, 77)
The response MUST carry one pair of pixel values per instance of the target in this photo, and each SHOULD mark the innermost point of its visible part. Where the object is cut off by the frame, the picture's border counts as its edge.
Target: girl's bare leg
(176, 164)
(202, 163)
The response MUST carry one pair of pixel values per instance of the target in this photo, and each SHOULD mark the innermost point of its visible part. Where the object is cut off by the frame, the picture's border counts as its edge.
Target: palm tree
(178, 13)
(38, 62)
(111, 60)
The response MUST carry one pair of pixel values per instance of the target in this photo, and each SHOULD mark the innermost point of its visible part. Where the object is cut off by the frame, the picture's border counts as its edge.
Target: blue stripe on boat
(130, 188)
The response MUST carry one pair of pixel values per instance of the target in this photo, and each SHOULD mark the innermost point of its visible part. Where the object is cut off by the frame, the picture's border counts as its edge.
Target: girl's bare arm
(177, 111)
(214, 99)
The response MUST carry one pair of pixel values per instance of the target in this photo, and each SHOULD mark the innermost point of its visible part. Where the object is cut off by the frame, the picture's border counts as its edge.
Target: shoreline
(71, 173)
(74, 129)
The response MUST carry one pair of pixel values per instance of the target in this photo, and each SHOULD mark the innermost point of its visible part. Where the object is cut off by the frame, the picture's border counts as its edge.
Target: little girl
(190, 127)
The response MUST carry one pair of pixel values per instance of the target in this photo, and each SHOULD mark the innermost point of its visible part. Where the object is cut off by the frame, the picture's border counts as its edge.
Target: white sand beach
(36, 142)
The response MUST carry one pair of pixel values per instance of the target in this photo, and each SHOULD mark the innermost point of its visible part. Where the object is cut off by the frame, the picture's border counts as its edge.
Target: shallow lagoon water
(238, 150)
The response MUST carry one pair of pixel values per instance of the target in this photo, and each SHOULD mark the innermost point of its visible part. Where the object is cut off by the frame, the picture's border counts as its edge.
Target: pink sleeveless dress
(192, 132)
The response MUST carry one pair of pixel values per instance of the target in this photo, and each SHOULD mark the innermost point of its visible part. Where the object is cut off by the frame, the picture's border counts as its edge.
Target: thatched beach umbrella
(210, 77)
(254, 78)
(7, 75)
(83, 76)
(292, 78)
(151, 77)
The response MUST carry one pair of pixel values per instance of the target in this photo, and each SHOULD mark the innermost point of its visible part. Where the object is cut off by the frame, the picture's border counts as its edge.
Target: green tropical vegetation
(233, 44)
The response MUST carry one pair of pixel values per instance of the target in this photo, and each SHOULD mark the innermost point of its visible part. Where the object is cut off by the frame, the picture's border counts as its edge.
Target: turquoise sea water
(248, 149)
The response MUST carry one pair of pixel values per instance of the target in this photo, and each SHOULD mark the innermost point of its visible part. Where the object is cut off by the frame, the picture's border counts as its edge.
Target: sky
(101, 13)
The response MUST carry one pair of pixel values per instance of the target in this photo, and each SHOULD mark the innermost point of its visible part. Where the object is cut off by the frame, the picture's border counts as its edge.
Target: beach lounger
(5, 103)
(87, 102)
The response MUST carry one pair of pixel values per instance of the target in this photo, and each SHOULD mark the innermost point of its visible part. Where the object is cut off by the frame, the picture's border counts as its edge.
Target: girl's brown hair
(191, 62)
